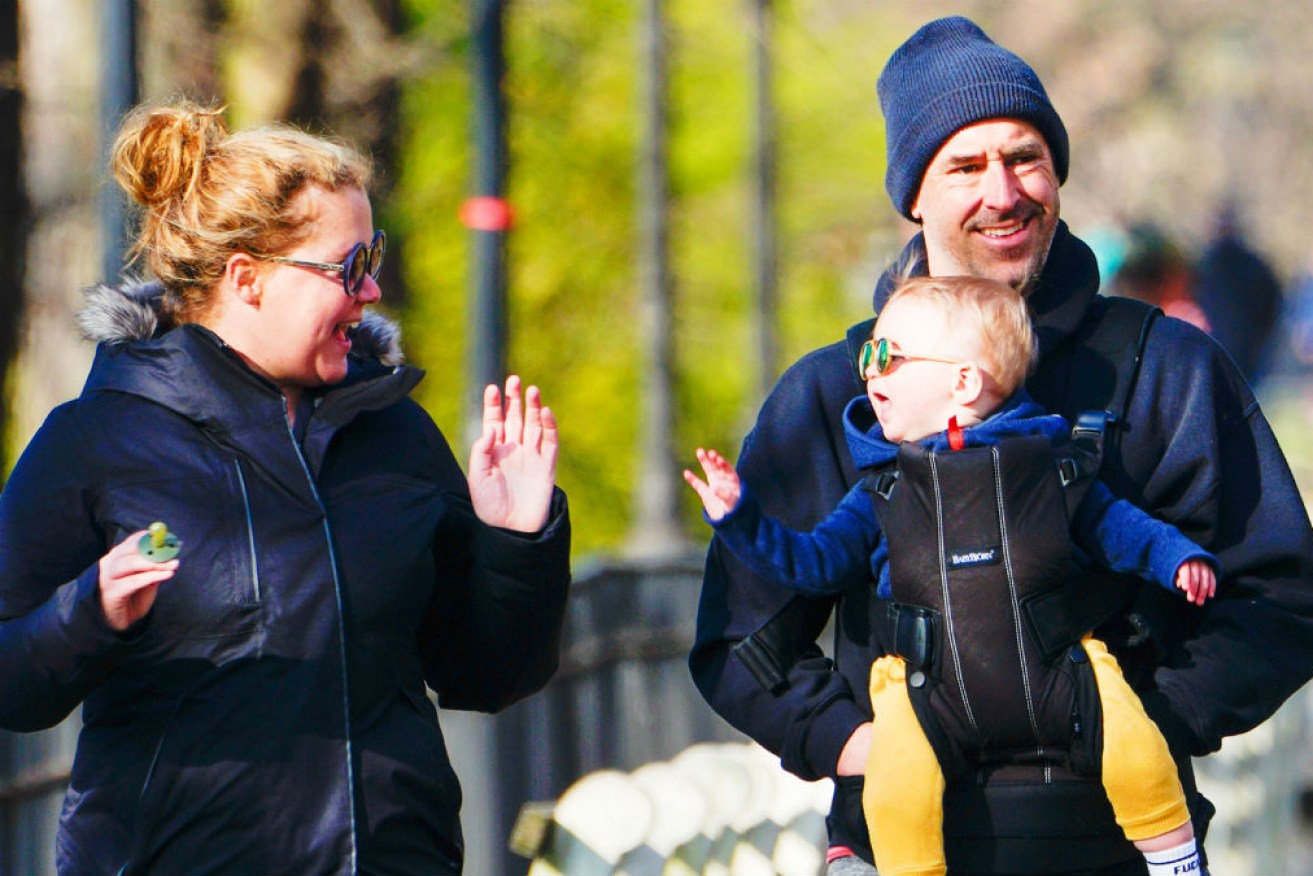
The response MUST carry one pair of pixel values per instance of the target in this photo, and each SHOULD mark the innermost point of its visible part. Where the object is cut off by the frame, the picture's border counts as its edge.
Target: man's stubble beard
(1029, 281)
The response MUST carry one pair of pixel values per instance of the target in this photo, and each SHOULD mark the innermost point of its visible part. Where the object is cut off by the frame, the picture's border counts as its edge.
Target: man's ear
(243, 278)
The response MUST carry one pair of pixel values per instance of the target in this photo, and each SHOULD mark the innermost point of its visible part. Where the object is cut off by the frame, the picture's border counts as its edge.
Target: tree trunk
(655, 531)
(64, 169)
(13, 201)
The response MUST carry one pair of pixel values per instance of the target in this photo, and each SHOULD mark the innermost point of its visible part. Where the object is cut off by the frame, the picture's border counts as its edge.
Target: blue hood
(1019, 416)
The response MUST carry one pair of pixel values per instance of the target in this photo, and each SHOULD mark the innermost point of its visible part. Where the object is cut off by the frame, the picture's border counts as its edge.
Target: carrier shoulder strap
(880, 482)
(770, 651)
(1121, 329)
(1118, 336)
(912, 632)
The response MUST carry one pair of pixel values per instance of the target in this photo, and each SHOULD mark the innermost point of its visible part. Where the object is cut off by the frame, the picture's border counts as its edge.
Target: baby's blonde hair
(205, 193)
(994, 310)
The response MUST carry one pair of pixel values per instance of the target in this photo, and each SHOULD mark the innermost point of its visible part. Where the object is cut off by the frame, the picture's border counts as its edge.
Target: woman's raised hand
(513, 462)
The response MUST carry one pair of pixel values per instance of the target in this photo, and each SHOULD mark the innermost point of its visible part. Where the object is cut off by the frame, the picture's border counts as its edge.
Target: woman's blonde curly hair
(205, 192)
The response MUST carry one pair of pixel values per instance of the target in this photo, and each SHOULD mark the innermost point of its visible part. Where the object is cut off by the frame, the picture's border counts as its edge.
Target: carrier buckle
(914, 637)
(883, 483)
(1090, 428)
(1068, 470)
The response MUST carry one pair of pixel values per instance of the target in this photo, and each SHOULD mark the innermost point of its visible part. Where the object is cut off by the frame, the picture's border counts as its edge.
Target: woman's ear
(243, 278)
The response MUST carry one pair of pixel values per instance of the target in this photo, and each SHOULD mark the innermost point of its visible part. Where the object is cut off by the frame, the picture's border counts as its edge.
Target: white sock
(1180, 861)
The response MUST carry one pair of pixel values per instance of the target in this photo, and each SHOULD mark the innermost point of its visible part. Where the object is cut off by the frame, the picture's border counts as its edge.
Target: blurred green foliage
(573, 104)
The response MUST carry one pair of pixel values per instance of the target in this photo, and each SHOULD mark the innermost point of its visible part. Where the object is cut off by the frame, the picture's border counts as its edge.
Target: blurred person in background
(1240, 296)
(976, 155)
(257, 704)
(1156, 271)
(1298, 323)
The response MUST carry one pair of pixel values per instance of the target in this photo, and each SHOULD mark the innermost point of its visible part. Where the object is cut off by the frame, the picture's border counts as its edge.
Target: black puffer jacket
(1195, 451)
(269, 715)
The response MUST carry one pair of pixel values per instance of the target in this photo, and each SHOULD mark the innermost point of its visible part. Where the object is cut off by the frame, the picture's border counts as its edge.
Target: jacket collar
(134, 311)
(1064, 291)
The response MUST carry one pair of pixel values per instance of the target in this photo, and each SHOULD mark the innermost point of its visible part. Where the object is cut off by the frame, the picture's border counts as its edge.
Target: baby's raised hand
(721, 490)
(1197, 579)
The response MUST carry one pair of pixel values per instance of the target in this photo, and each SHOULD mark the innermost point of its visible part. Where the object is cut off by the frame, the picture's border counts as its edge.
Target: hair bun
(160, 150)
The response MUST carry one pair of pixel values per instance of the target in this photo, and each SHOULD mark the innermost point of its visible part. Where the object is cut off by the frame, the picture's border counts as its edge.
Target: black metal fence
(623, 697)
(33, 774)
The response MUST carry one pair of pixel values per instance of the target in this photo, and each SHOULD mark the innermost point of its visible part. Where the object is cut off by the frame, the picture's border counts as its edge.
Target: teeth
(1001, 232)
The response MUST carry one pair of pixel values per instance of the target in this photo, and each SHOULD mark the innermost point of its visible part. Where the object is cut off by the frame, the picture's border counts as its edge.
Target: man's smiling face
(988, 204)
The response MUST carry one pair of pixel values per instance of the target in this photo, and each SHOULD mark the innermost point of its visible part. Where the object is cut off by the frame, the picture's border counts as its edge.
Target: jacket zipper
(341, 640)
(150, 770)
(250, 530)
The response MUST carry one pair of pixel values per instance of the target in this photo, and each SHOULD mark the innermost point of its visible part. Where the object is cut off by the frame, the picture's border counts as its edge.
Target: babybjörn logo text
(958, 559)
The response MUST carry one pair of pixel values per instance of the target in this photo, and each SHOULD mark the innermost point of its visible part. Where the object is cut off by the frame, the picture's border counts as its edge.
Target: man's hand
(852, 760)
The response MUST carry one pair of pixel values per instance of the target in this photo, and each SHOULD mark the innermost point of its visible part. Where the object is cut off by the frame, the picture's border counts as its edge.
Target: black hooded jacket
(269, 715)
(1195, 451)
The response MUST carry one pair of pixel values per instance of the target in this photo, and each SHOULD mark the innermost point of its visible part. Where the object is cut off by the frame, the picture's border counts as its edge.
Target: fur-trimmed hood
(133, 311)
(190, 370)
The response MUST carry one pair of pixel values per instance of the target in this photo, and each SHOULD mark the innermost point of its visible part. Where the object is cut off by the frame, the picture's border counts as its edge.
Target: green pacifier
(158, 544)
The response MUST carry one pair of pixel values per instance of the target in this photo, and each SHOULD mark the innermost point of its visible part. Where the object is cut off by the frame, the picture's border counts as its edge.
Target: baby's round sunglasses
(879, 355)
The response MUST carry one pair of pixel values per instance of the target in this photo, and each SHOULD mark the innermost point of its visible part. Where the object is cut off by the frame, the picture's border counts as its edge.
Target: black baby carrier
(988, 600)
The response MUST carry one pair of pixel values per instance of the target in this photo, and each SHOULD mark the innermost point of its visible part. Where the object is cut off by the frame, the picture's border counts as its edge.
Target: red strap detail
(956, 440)
(486, 213)
(836, 852)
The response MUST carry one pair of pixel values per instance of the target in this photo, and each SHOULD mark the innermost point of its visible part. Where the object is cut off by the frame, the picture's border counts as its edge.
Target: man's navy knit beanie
(948, 75)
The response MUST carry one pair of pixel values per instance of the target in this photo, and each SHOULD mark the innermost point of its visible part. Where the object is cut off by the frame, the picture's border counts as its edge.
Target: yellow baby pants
(903, 799)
